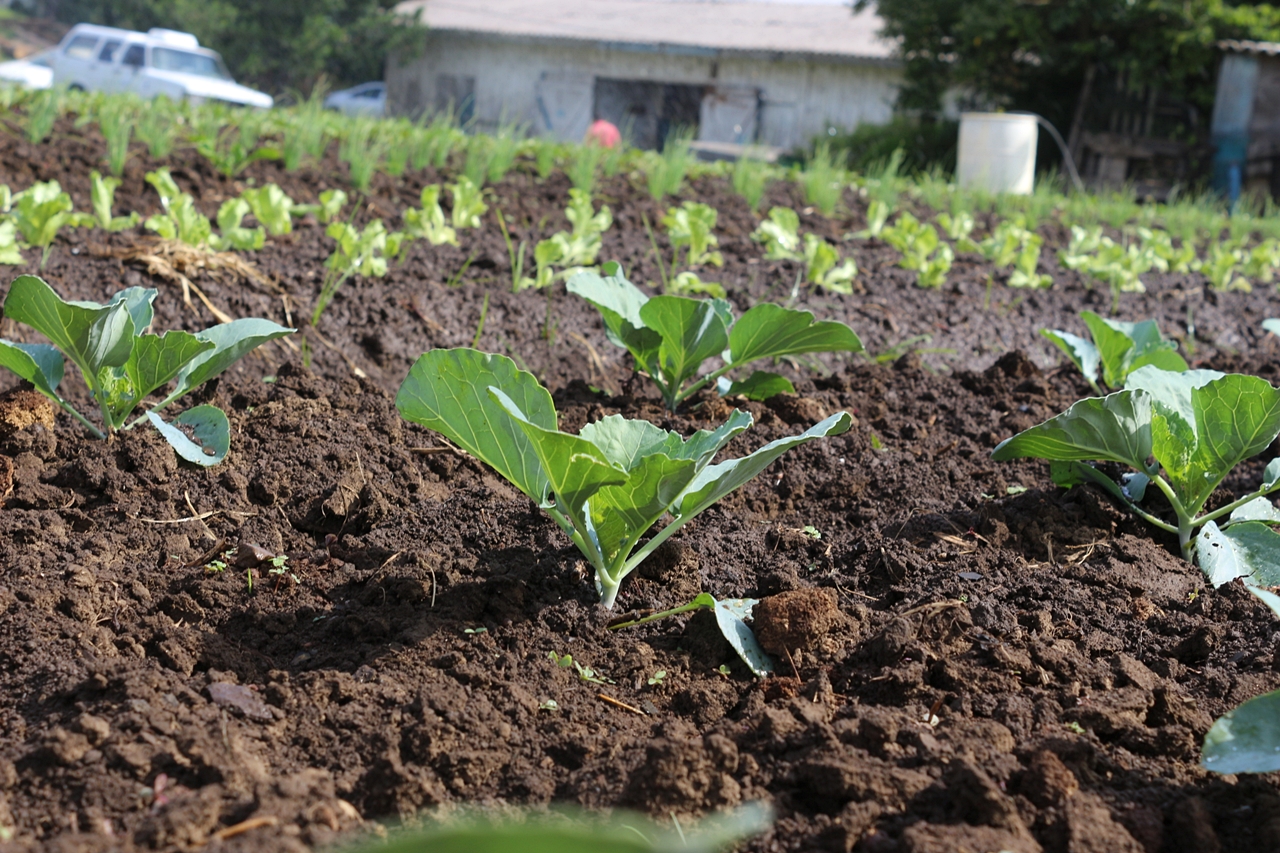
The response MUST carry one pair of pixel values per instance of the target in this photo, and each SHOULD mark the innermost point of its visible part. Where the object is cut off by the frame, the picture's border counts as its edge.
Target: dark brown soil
(969, 658)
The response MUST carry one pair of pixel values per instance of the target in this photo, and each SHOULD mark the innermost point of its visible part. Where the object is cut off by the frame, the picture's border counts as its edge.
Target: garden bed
(994, 663)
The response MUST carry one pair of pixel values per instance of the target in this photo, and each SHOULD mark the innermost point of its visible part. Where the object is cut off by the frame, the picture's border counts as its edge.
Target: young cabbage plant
(1117, 349)
(102, 194)
(780, 234)
(605, 487)
(427, 222)
(671, 336)
(822, 266)
(123, 363)
(1196, 425)
(571, 251)
(468, 203)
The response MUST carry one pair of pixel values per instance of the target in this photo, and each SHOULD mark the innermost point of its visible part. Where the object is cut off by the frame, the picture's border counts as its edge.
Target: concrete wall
(550, 85)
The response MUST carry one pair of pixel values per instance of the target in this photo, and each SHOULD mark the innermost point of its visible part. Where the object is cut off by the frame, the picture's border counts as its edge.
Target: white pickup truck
(157, 62)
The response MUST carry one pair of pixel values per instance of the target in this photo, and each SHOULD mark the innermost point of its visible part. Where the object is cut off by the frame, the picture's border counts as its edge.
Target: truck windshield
(203, 65)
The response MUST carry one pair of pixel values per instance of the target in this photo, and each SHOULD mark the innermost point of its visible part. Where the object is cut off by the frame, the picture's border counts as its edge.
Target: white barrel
(997, 152)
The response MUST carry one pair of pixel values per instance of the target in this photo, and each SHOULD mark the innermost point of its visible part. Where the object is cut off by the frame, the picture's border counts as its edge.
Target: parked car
(157, 62)
(367, 99)
(34, 72)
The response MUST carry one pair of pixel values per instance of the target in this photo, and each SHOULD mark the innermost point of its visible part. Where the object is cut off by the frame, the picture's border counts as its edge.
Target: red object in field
(604, 133)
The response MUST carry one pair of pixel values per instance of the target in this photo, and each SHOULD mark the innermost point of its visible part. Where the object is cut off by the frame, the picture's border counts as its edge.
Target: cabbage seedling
(671, 336)
(357, 253)
(1117, 348)
(1196, 425)
(605, 487)
(123, 364)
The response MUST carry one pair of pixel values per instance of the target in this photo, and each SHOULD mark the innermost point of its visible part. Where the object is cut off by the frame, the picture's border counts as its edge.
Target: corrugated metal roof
(1270, 48)
(720, 26)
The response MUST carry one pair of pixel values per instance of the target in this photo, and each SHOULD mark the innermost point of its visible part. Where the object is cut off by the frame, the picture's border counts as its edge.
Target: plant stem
(66, 407)
(662, 270)
(484, 312)
(1233, 506)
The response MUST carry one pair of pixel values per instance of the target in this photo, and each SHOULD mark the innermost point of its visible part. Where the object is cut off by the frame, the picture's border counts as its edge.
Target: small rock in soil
(239, 698)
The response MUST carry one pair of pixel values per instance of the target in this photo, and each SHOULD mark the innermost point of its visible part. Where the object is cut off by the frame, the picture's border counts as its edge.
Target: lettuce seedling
(427, 222)
(1221, 266)
(10, 249)
(689, 283)
(123, 364)
(358, 253)
(1024, 266)
(878, 213)
(102, 195)
(234, 236)
(329, 208)
(180, 220)
(40, 211)
(1117, 348)
(605, 487)
(273, 209)
(822, 266)
(1005, 243)
(671, 336)
(1196, 425)
(572, 251)
(958, 228)
(689, 227)
(780, 234)
(468, 203)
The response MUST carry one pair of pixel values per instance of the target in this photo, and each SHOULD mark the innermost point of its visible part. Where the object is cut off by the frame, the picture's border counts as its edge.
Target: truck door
(106, 68)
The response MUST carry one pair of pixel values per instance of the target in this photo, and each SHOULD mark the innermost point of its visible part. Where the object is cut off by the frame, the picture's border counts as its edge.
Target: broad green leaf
(760, 385)
(731, 616)
(209, 439)
(39, 364)
(1163, 358)
(1258, 509)
(1116, 428)
(619, 303)
(1249, 550)
(1171, 390)
(91, 335)
(716, 481)
(447, 390)
(622, 513)
(692, 331)
(139, 301)
(626, 442)
(1236, 417)
(1083, 354)
(1245, 739)
(1271, 474)
(704, 444)
(1173, 443)
(231, 342)
(158, 358)
(1113, 342)
(576, 469)
(768, 331)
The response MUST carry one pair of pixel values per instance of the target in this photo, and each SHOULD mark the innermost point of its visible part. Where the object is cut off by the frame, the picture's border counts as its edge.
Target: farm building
(739, 72)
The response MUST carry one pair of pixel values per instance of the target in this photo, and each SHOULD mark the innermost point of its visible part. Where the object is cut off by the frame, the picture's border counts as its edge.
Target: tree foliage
(1034, 54)
(273, 44)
